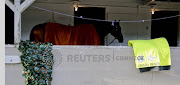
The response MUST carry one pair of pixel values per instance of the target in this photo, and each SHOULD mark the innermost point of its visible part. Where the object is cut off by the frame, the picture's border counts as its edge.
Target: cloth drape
(150, 53)
(83, 34)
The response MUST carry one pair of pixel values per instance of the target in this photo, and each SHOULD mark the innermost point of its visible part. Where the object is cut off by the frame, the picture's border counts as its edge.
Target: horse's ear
(112, 23)
(118, 24)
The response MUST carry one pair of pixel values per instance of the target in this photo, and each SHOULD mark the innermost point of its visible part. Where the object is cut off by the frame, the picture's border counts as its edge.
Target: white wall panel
(120, 70)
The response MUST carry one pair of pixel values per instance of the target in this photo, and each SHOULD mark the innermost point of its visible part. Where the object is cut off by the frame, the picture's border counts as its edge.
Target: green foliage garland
(37, 62)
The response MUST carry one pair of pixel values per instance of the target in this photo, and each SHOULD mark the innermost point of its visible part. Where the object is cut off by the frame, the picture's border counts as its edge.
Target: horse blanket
(58, 34)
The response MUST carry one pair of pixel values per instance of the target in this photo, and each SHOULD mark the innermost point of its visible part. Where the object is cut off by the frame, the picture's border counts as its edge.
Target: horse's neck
(102, 29)
(107, 31)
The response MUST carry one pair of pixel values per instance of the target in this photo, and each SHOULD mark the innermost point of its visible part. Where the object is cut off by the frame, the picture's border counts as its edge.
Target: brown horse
(82, 34)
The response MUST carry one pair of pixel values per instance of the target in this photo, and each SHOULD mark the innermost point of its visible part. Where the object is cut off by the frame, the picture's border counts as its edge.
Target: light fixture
(152, 10)
(76, 4)
(76, 7)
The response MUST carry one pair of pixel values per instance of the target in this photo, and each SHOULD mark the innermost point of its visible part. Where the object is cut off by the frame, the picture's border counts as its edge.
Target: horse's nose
(120, 40)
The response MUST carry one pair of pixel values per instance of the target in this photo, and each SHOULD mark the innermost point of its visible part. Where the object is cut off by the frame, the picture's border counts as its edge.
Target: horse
(96, 33)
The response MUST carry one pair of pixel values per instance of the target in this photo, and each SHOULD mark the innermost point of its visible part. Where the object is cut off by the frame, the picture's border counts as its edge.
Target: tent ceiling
(95, 2)
(114, 2)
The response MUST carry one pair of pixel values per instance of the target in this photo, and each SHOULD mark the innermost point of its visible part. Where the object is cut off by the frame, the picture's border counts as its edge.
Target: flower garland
(37, 62)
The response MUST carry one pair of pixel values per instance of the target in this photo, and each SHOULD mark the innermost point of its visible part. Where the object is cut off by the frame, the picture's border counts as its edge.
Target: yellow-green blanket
(149, 53)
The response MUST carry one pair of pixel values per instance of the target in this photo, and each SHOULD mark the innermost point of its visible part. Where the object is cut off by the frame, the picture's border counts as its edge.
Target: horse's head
(116, 32)
(104, 28)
